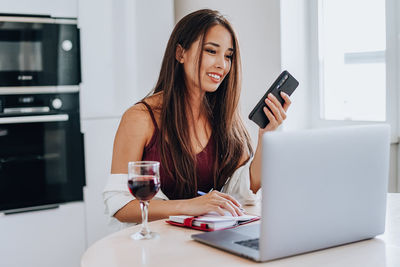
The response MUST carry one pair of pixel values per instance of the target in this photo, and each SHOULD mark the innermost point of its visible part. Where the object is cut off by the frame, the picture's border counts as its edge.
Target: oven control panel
(38, 103)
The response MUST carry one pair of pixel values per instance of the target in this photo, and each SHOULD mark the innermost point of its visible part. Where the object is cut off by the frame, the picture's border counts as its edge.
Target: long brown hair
(221, 108)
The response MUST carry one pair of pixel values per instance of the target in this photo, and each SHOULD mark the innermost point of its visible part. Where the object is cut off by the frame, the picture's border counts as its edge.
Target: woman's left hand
(278, 114)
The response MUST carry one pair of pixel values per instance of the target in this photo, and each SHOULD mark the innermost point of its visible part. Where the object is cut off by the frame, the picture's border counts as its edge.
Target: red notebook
(211, 221)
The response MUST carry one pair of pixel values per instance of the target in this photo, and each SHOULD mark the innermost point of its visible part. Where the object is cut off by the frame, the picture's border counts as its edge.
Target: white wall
(295, 59)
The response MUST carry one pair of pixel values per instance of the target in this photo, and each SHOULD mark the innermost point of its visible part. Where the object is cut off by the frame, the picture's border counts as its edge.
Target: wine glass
(144, 183)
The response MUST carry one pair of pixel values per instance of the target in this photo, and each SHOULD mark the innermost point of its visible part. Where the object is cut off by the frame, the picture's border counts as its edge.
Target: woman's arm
(160, 209)
(276, 117)
(133, 134)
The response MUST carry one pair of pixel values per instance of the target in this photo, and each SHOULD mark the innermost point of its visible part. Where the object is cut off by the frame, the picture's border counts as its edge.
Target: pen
(201, 193)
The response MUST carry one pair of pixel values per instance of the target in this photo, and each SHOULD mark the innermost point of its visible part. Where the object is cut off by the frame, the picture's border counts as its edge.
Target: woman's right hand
(213, 201)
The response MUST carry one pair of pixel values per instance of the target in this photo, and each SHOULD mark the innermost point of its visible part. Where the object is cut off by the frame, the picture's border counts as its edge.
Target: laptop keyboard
(250, 243)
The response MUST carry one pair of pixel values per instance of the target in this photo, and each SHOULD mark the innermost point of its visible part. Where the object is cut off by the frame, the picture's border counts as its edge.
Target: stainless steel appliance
(38, 51)
(41, 151)
(41, 144)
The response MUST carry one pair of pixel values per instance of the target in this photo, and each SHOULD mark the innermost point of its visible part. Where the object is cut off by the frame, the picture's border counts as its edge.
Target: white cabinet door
(99, 137)
(55, 8)
(122, 45)
(46, 238)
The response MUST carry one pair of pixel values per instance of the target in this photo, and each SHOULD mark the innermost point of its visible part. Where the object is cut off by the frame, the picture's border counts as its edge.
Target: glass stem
(144, 205)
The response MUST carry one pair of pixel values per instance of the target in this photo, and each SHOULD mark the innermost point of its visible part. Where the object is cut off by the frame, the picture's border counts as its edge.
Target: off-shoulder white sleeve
(238, 186)
(116, 195)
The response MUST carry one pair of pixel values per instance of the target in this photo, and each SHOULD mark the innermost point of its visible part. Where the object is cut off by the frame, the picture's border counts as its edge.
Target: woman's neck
(195, 101)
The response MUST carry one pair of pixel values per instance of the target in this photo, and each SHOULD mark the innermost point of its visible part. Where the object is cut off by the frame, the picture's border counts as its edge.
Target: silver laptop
(320, 188)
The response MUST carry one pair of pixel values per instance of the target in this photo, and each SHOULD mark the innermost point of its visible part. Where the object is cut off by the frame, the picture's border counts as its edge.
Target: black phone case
(286, 83)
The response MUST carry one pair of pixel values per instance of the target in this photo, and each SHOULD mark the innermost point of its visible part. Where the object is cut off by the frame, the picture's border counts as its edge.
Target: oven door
(38, 53)
(41, 160)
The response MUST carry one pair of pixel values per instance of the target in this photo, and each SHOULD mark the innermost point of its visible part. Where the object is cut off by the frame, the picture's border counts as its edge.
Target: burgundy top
(205, 160)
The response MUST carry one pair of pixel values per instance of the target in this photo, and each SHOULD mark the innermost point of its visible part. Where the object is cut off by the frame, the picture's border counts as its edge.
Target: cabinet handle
(36, 208)
(30, 119)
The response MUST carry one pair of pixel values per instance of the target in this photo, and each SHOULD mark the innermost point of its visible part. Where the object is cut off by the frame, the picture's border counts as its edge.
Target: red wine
(144, 187)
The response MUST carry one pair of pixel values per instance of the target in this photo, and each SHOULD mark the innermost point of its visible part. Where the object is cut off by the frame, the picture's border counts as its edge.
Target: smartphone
(286, 83)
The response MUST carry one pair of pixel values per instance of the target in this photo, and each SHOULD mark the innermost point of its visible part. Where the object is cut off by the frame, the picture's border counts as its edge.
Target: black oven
(39, 51)
(41, 151)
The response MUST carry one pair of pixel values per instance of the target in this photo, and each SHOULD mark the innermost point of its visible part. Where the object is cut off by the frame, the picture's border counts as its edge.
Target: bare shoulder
(137, 120)
(134, 133)
(137, 112)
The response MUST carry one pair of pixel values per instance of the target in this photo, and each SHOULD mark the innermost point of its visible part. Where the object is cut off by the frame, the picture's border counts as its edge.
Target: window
(351, 59)
(354, 69)
(354, 51)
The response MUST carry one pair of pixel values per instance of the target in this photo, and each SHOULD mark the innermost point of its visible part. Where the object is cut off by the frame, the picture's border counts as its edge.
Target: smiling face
(216, 58)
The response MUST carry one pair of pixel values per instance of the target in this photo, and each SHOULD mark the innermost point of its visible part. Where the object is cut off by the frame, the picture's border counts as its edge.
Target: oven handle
(30, 119)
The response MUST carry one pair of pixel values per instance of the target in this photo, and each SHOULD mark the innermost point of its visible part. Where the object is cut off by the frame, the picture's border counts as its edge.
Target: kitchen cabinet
(99, 138)
(46, 238)
(55, 8)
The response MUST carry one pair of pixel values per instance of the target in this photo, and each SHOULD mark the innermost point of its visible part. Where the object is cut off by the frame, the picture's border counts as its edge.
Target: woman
(191, 124)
